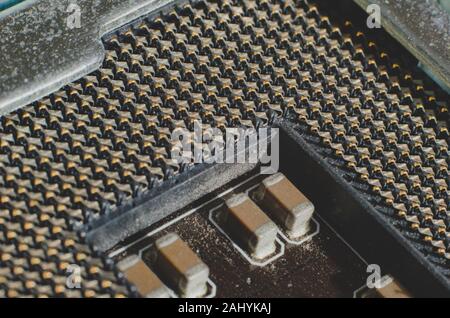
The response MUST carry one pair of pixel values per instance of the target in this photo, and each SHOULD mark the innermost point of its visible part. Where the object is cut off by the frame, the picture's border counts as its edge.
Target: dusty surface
(39, 52)
(421, 26)
(322, 267)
